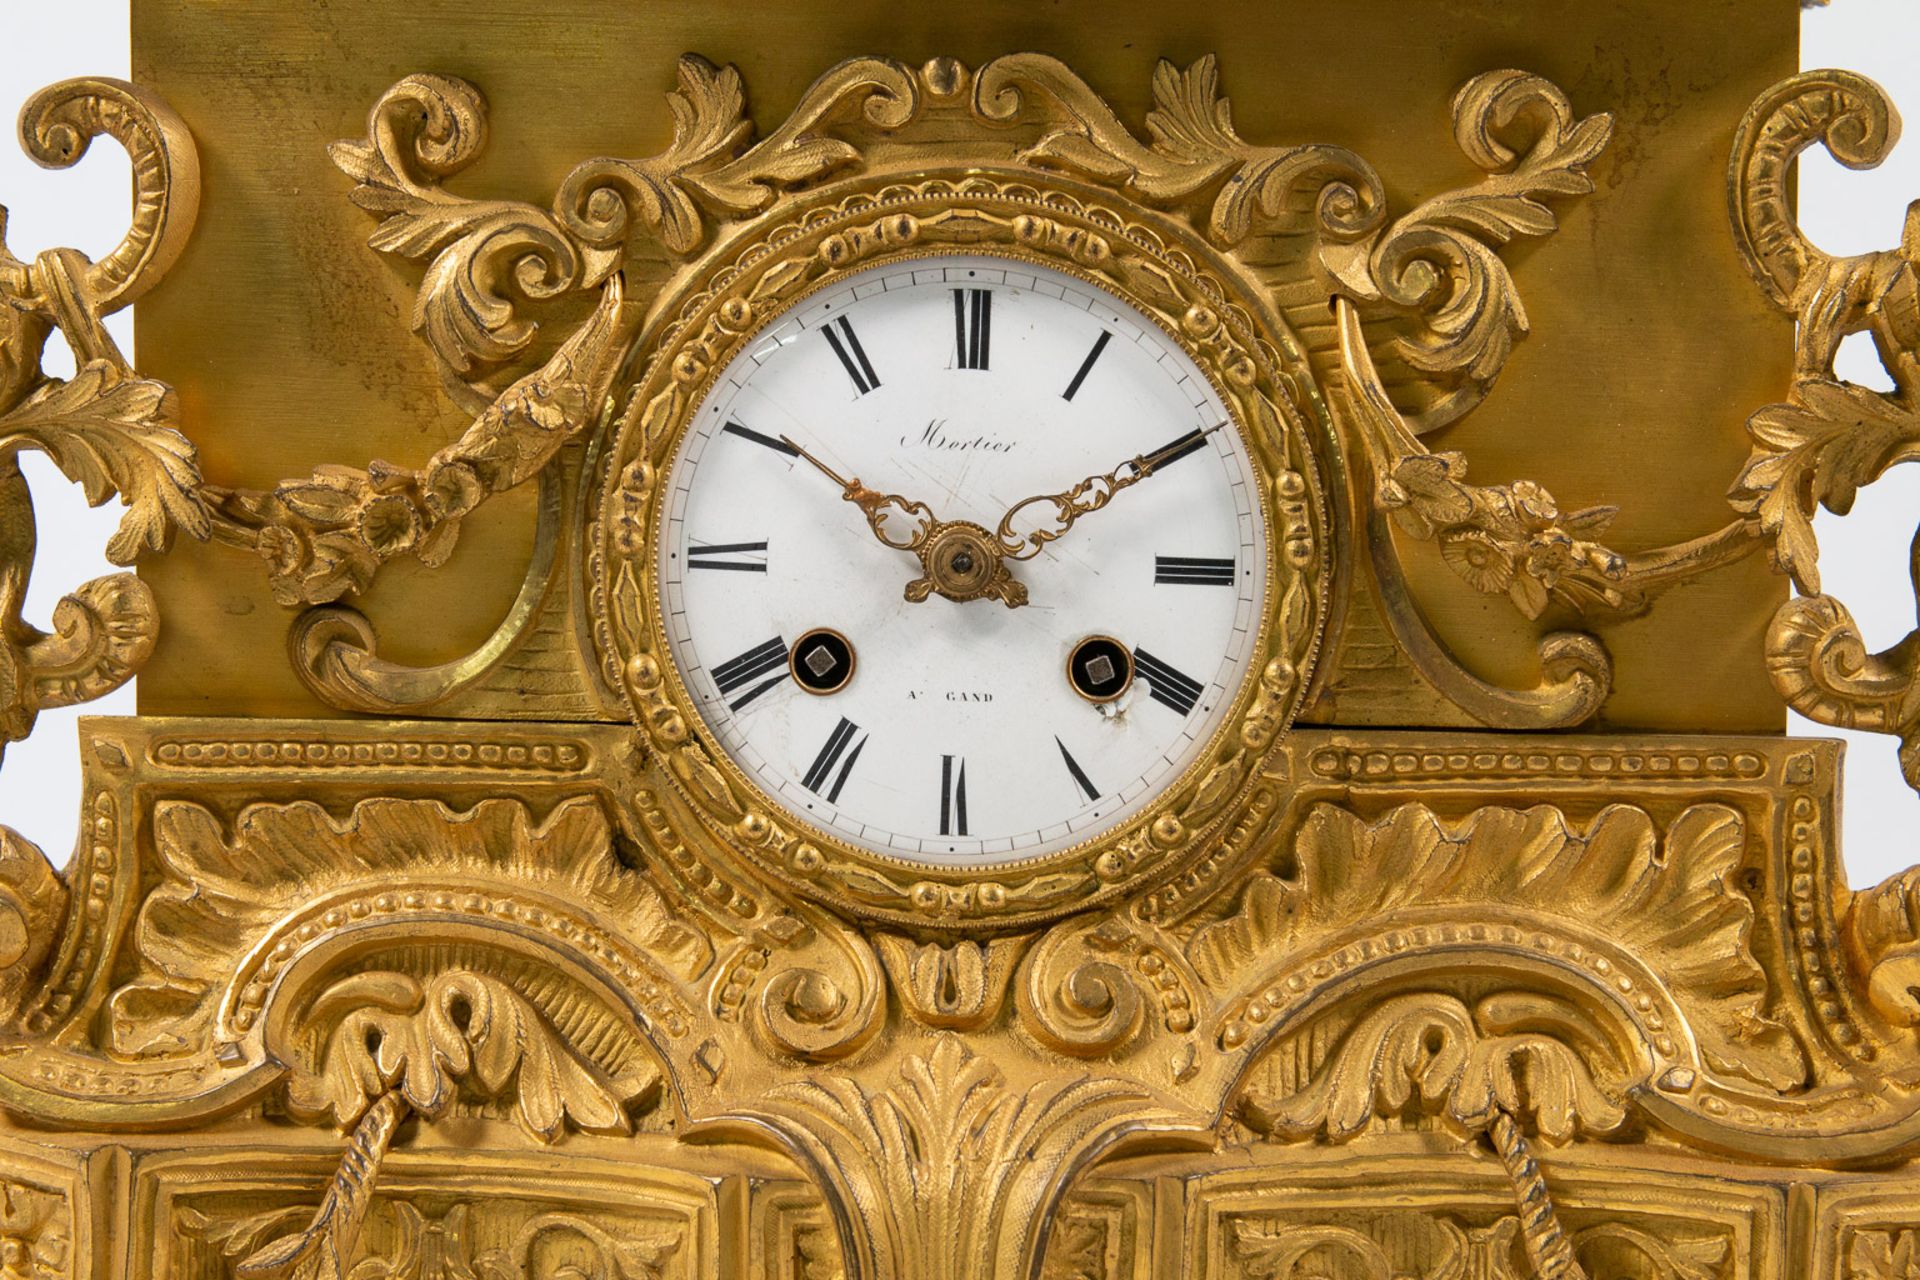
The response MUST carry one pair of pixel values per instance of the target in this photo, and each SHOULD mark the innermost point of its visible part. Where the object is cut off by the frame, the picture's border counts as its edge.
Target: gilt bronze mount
(1490, 927)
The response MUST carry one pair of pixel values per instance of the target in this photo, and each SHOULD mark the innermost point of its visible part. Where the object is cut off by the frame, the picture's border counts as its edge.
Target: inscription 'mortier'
(935, 436)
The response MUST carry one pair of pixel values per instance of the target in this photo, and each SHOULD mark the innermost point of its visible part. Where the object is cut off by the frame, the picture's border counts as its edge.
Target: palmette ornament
(982, 773)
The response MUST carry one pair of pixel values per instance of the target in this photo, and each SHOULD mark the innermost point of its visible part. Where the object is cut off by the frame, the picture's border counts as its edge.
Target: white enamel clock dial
(952, 731)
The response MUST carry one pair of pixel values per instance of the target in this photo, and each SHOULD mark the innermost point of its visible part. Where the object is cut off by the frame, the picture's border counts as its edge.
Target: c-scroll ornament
(1438, 263)
(1821, 446)
(1830, 437)
(489, 263)
(111, 431)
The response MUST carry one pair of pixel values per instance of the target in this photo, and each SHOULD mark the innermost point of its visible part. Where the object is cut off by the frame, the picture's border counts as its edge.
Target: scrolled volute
(1829, 438)
(1193, 146)
(109, 430)
(1881, 932)
(33, 904)
(1439, 265)
(1853, 119)
(485, 258)
(823, 997)
(56, 126)
(1821, 665)
(1082, 1005)
(1108, 985)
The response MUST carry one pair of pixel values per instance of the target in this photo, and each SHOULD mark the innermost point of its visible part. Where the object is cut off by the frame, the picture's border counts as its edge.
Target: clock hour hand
(958, 559)
(1049, 515)
(898, 522)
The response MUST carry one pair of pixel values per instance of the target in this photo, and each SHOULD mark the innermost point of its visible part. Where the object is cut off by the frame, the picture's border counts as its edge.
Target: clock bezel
(732, 301)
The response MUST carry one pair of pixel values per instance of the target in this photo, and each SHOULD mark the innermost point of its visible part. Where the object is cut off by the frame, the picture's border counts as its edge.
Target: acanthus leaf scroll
(1830, 437)
(109, 430)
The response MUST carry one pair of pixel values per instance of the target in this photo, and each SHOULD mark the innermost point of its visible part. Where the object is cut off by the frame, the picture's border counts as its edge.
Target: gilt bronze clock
(1004, 642)
(978, 578)
(998, 359)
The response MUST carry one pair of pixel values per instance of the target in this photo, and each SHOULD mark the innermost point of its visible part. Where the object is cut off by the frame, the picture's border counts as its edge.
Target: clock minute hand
(1088, 496)
(891, 517)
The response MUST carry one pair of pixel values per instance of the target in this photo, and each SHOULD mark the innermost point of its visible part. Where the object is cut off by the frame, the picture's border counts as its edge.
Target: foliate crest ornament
(488, 259)
(1193, 147)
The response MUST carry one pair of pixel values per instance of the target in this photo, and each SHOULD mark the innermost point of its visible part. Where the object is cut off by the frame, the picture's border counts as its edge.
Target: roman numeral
(953, 796)
(1079, 775)
(972, 327)
(736, 556)
(852, 355)
(1174, 450)
(740, 672)
(1086, 366)
(1167, 685)
(832, 754)
(771, 442)
(1194, 570)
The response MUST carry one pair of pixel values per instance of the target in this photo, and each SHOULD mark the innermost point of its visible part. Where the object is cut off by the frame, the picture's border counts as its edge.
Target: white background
(1864, 560)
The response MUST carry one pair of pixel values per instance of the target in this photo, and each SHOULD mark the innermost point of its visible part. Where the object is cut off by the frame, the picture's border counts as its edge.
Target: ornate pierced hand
(1088, 496)
(958, 559)
(898, 522)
